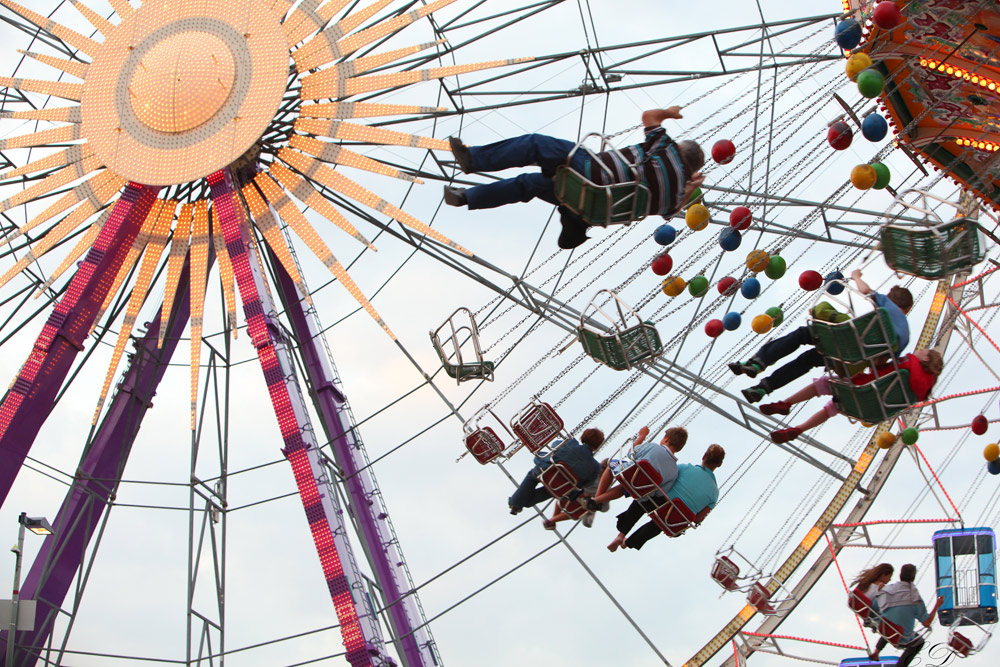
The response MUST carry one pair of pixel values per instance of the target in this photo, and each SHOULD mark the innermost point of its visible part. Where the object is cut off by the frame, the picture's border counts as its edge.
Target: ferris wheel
(145, 144)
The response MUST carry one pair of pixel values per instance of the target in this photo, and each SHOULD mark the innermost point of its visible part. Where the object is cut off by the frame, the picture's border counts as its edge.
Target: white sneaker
(588, 519)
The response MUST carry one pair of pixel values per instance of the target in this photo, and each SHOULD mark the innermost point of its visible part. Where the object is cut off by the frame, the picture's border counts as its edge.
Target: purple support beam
(413, 640)
(62, 554)
(27, 404)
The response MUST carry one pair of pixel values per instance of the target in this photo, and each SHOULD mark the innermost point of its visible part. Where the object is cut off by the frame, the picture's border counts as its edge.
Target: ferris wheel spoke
(89, 499)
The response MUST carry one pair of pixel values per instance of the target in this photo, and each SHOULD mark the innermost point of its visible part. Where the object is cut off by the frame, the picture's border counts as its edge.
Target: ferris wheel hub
(182, 82)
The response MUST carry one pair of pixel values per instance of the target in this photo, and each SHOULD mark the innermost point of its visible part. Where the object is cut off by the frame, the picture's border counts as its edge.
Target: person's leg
(782, 346)
(644, 534)
(788, 434)
(793, 370)
(630, 517)
(614, 493)
(879, 645)
(521, 188)
(910, 652)
(529, 149)
(527, 493)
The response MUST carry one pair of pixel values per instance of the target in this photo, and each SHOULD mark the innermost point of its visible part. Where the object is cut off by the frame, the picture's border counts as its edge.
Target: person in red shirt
(924, 367)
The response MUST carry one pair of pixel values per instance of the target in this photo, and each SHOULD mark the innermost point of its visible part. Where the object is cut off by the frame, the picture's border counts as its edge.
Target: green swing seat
(622, 350)
(932, 252)
(464, 371)
(601, 205)
(846, 344)
(876, 401)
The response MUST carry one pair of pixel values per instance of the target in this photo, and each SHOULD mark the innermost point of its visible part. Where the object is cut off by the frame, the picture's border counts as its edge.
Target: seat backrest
(960, 644)
(673, 517)
(484, 444)
(558, 479)
(859, 603)
(759, 597)
(537, 426)
(876, 401)
(935, 253)
(574, 509)
(892, 632)
(640, 480)
(726, 572)
(861, 338)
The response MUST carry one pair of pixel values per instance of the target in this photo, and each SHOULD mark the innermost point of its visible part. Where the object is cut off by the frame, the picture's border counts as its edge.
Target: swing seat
(863, 338)
(624, 349)
(890, 631)
(640, 480)
(574, 509)
(536, 426)
(933, 252)
(601, 205)
(484, 444)
(673, 517)
(461, 372)
(959, 644)
(859, 603)
(877, 401)
(760, 599)
(725, 573)
(559, 480)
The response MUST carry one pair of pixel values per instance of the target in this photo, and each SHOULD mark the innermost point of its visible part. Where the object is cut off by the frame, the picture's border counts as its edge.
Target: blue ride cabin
(965, 565)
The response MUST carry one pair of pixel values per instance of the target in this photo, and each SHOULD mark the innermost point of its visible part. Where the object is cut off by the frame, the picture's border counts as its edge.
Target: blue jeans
(529, 493)
(782, 347)
(524, 151)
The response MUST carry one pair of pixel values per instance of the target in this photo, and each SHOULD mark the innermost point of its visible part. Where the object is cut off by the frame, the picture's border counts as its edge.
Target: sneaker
(515, 510)
(548, 524)
(754, 394)
(462, 155)
(591, 505)
(603, 507)
(588, 519)
(785, 435)
(455, 196)
(776, 408)
(574, 232)
(750, 368)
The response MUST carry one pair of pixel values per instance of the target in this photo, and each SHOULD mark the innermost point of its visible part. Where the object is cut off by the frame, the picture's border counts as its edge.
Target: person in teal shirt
(695, 486)
(900, 603)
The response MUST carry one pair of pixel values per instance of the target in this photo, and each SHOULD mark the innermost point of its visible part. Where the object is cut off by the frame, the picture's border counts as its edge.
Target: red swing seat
(725, 572)
(960, 644)
(640, 480)
(760, 598)
(484, 444)
(536, 426)
(892, 632)
(574, 509)
(673, 517)
(859, 603)
(559, 480)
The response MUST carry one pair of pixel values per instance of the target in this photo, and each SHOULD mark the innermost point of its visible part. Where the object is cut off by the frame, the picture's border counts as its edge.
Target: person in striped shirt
(669, 169)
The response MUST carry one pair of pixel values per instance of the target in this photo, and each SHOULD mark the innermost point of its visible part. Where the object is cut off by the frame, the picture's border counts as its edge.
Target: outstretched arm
(862, 286)
(641, 438)
(653, 117)
(930, 617)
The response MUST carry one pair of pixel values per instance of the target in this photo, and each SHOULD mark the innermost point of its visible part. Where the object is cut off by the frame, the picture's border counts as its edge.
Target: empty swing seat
(673, 517)
(640, 480)
(932, 252)
(484, 444)
(460, 372)
(622, 350)
(536, 426)
(860, 339)
(559, 480)
(960, 644)
(760, 598)
(725, 572)
(876, 401)
(601, 205)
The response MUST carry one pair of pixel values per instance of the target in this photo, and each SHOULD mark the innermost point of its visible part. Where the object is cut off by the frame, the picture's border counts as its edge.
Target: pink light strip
(833, 554)
(803, 639)
(230, 215)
